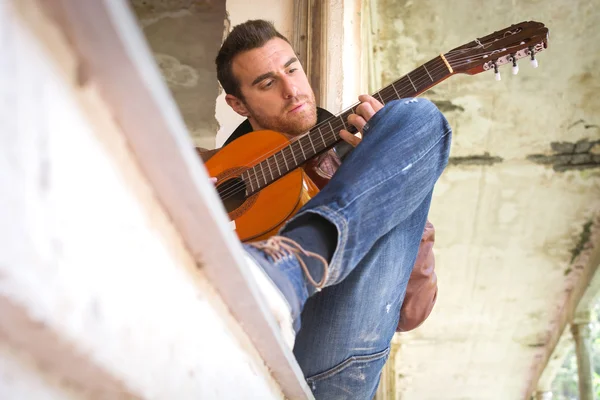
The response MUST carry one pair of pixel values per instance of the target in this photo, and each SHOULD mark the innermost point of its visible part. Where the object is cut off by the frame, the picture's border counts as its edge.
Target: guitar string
(452, 55)
(318, 126)
(242, 186)
(479, 45)
(331, 133)
(328, 135)
(441, 67)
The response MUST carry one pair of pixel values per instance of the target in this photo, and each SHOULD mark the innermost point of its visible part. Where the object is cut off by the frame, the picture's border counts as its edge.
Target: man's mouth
(297, 108)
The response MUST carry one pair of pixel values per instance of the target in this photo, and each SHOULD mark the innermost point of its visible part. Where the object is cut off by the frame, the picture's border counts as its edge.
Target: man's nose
(289, 88)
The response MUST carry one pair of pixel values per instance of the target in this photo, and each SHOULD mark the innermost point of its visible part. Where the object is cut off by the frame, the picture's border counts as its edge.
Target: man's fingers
(376, 104)
(358, 121)
(365, 110)
(368, 107)
(213, 180)
(349, 138)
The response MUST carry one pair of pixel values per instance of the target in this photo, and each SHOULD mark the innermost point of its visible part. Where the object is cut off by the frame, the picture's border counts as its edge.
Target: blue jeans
(378, 200)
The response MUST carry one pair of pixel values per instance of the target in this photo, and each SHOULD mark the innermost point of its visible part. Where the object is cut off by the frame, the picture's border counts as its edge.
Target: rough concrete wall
(185, 36)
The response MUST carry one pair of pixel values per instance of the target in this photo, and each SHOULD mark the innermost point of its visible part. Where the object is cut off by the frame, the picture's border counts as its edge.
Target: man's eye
(292, 70)
(268, 84)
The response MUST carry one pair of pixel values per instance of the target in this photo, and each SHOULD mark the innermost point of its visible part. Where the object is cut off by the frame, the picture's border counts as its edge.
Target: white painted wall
(20, 378)
(344, 69)
(94, 274)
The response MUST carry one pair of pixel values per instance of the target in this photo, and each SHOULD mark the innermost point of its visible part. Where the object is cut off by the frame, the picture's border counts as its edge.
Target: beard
(292, 124)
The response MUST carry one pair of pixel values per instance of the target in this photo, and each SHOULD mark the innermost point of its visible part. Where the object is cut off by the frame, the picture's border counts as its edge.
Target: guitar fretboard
(326, 134)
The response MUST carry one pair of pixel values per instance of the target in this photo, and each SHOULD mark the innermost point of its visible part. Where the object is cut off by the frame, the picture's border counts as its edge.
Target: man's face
(277, 95)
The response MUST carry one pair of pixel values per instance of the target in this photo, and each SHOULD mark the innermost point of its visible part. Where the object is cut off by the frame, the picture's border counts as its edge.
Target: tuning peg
(534, 62)
(497, 73)
(515, 67)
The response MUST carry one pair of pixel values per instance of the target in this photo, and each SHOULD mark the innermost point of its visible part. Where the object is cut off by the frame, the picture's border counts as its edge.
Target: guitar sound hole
(232, 193)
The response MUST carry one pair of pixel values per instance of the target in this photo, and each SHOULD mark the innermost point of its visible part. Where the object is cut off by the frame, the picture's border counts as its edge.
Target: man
(343, 262)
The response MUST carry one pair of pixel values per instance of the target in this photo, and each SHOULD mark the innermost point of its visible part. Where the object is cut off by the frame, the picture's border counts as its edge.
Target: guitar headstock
(503, 47)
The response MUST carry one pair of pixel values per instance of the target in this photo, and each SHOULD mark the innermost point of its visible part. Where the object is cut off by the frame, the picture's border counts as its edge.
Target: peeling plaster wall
(505, 240)
(515, 208)
(185, 36)
(559, 100)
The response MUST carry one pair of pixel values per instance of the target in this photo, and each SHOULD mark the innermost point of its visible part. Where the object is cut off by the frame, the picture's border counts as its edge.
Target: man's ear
(237, 105)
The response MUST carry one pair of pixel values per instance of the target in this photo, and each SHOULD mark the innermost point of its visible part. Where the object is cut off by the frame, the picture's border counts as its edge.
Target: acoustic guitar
(259, 176)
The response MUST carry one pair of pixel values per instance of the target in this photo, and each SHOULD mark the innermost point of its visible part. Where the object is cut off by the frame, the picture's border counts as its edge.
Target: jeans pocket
(356, 377)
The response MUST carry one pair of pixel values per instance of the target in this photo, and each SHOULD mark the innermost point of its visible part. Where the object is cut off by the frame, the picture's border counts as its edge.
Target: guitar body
(262, 214)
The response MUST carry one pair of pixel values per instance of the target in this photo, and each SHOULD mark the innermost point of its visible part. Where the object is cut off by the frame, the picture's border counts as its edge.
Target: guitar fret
(293, 155)
(343, 122)
(428, 72)
(395, 91)
(277, 163)
(311, 143)
(331, 127)
(322, 138)
(248, 181)
(301, 147)
(411, 82)
(287, 168)
(249, 176)
(380, 98)
(262, 171)
(269, 166)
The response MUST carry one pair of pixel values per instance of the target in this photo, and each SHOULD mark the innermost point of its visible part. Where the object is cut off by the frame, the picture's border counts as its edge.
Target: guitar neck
(326, 134)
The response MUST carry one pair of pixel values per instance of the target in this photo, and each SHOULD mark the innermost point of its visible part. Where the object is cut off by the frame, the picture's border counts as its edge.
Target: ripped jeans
(378, 200)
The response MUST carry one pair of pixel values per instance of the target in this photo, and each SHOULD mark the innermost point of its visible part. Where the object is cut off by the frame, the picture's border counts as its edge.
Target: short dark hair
(243, 37)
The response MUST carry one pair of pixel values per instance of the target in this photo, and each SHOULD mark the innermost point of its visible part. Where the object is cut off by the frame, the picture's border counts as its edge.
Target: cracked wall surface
(583, 154)
(185, 36)
(516, 209)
